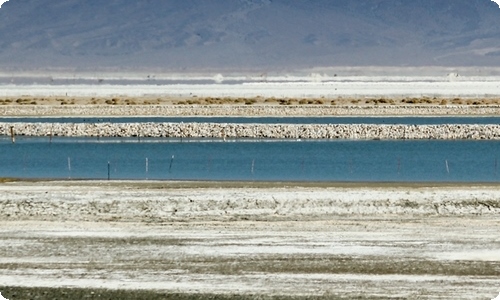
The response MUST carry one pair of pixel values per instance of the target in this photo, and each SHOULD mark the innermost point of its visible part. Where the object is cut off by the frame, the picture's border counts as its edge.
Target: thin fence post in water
(109, 168)
(447, 167)
(69, 167)
(171, 162)
(147, 167)
(253, 165)
(12, 135)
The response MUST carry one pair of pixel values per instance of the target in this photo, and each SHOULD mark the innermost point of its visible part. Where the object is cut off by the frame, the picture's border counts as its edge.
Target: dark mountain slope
(246, 34)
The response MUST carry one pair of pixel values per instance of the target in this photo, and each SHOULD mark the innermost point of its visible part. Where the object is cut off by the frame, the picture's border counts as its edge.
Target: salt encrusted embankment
(259, 131)
(95, 202)
(248, 110)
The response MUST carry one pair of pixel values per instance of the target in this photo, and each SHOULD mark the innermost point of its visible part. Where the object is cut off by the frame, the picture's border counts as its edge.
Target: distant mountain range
(248, 34)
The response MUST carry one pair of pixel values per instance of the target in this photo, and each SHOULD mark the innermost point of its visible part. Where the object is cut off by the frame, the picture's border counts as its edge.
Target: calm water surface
(276, 160)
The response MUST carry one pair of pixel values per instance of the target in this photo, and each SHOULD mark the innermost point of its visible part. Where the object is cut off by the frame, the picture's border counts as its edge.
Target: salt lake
(252, 160)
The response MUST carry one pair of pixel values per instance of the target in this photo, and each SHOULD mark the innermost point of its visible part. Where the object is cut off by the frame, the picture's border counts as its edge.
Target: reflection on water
(200, 159)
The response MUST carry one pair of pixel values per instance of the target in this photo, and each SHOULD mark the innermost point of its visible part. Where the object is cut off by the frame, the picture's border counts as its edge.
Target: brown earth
(341, 101)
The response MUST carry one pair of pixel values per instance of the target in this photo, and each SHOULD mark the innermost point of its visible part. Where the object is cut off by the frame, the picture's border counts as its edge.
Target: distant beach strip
(248, 110)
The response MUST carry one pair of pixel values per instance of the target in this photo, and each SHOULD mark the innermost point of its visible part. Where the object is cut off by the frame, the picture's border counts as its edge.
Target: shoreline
(194, 184)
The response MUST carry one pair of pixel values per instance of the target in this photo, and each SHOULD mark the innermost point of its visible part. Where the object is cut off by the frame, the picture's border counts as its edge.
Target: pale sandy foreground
(340, 240)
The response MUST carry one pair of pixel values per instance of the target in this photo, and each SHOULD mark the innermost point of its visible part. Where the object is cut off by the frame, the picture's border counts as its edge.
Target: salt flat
(331, 89)
(252, 239)
(333, 240)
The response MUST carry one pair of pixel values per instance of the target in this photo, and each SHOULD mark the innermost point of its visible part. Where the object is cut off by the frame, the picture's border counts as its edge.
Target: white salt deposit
(266, 89)
(156, 235)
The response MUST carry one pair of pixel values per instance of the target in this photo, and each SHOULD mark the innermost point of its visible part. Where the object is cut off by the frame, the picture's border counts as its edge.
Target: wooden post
(171, 161)
(69, 167)
(12, 135)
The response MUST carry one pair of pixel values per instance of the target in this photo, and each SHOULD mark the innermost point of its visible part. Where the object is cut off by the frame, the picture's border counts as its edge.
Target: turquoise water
(275, 160)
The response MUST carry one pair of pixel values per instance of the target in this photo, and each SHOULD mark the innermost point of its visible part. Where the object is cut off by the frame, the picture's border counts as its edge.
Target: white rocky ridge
(256, 131)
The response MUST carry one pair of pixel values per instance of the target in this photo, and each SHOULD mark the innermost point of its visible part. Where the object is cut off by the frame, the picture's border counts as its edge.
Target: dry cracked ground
(174, 240)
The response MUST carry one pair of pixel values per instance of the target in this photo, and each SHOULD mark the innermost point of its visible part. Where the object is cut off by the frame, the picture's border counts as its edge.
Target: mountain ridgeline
(248, 34)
